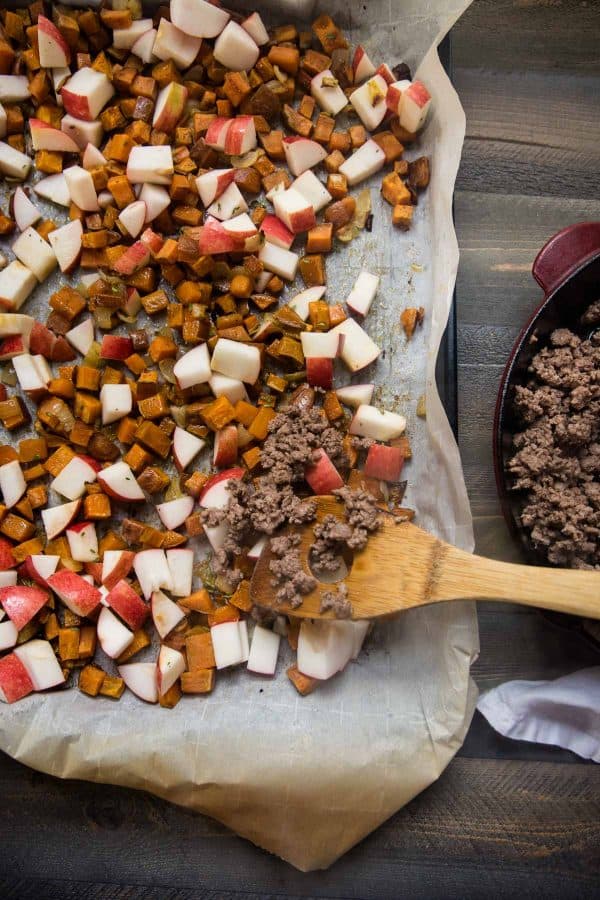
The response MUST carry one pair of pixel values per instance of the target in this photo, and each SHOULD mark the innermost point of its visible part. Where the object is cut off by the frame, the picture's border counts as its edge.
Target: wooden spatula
(404, 566)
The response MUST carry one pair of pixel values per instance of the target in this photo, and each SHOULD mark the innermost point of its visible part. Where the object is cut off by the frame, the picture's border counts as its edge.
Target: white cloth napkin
(565, 712)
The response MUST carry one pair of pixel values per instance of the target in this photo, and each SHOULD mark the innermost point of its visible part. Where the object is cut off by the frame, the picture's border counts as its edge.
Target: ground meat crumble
(557, 455)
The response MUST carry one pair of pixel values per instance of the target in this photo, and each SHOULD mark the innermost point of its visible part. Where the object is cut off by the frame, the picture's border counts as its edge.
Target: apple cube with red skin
(75, 592)
(39, 568)
(240, 137)
(414, 106)
(21, 603)
(66, 242)
(216, 133)
(85, 93)
(212, 184)
(302, 154)
(128, 605)
(173, 513)
(125, 38)
(235, 49)
(15, 682)
(56, 518)
(45, 137)
(152, 240)
(116, 347)
(226, 447)
(7, 559)
(150, 165)
(134, 258)
(384, 463)
(361, 65)
(386, 73)
(294, 210)
(237, 235)
(276, 232)
(116, 565)
(185, 447)
(53, 50)
(118, 481)
(173, 43)
(170, 106)
(141, 679)
(255, 27)
(321, 475)
(231, 203)
(113, 637)
(393, 98)
(319, 372)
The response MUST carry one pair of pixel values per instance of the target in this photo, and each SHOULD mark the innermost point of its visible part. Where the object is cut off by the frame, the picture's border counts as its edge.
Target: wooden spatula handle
(462, 575)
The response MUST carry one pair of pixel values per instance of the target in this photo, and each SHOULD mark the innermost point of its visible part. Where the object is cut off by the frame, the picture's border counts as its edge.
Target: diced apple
(355, 395)
(302, 154)
(363, 163)
(140, 678)
(15, 682)
(193, 367)
(156, 200)
(276, 232)
(170, 105)
(173, 513)
(212, 184)
(240, 137)
(361, 65)
(118, 481)
(150, 165)
(326, 647)
(57, 518)
(264, 651)
(381, 425)
(312, 190)
(152, 571)
(215, 494)
(116, 346)
(386, 73)
(232, 388)
(82, 131)
(181, 566)
(92, 157)
(8, 635)
(327, 92)
(320, 343)
(198, 17)
(12, 162)
(166, 615)
(393, 98)
(53, 50)
(21, 603)
(71, 481)
(82, 336)
(369, 101)
(363, 293)
(32, 250)
(321, 475)
(3, 121)
(358, 349)
(24, 211)
(231, 203)
(59, 76)
(185, 447)
(256, 550)
(45, 137)
(228, 642)
(132, 218)
(414, 106)
(171, 664)
(125, 38)
(216, 133)
(40, 567)
(319, 372)
(144, 46)
(301, 302)
(235, 49)
(113, 636)
(42, 665)
(294, 210)
(83, 542)
(225, 447)
(127, 604)
(66, 244)
(117, 401)
(81, 188)
(255, 27)
(31, 373)
(85, 93)
(116, 565)
(53, 188)
(134, 258)
(280, 261)
(14, 88)
(173, 43)
(384, 463)
(75, 592)
(244, 232)
(237, 360)
(12, 483)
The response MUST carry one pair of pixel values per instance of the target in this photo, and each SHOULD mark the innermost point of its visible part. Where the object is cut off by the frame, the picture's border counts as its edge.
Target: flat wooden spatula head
(392, 573)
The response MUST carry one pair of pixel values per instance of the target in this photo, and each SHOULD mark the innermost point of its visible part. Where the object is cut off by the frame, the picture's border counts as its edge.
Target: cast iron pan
(567, 269)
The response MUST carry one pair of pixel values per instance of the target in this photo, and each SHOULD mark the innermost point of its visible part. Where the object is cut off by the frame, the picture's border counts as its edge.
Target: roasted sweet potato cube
(68, 643)
(390, 145)
(87, 408)
(87, 641)
(67, 302)
(199, 651)
(137, 457)
(96, 506)
(395, 191)
(199, 601)
(153, 480)
(252, 457)
(33, 450)
(153, 438)
(202, 681)
(218, 413)
(304, 684)
(194, 526)
(312, 269)
(402, 216)
(260, 424)
(112, 686)
(90, 680)
(37, 496)
(51, 627)
(170, 698)
(58, 460)
(410, 318)
(16, 528)
(28, 548)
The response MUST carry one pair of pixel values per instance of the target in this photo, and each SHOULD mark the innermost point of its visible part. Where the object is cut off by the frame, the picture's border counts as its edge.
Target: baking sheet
(306, 778)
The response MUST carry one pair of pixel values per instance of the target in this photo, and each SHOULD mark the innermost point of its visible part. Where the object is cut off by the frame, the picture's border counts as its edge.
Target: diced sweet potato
(304, 684)
(202, 681)
(90, 680)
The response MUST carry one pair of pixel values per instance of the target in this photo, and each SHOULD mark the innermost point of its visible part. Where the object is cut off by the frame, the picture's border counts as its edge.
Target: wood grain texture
(496, 825)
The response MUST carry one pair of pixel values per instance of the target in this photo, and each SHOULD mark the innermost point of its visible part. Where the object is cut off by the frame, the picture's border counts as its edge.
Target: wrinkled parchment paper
(306, 778)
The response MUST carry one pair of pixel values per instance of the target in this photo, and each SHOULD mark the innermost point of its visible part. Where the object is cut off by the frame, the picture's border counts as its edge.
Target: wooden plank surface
(507, 819)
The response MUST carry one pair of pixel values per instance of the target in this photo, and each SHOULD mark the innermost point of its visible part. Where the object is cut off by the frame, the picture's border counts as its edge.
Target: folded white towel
(565, 712)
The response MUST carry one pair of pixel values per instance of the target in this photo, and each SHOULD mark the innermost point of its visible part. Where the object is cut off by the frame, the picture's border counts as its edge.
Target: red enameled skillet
(567, 269)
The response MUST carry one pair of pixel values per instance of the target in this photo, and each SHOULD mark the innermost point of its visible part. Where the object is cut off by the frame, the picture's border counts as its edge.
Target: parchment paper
(306, 778)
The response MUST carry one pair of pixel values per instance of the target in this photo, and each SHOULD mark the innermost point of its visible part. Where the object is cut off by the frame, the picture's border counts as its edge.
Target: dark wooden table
(506, 819)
